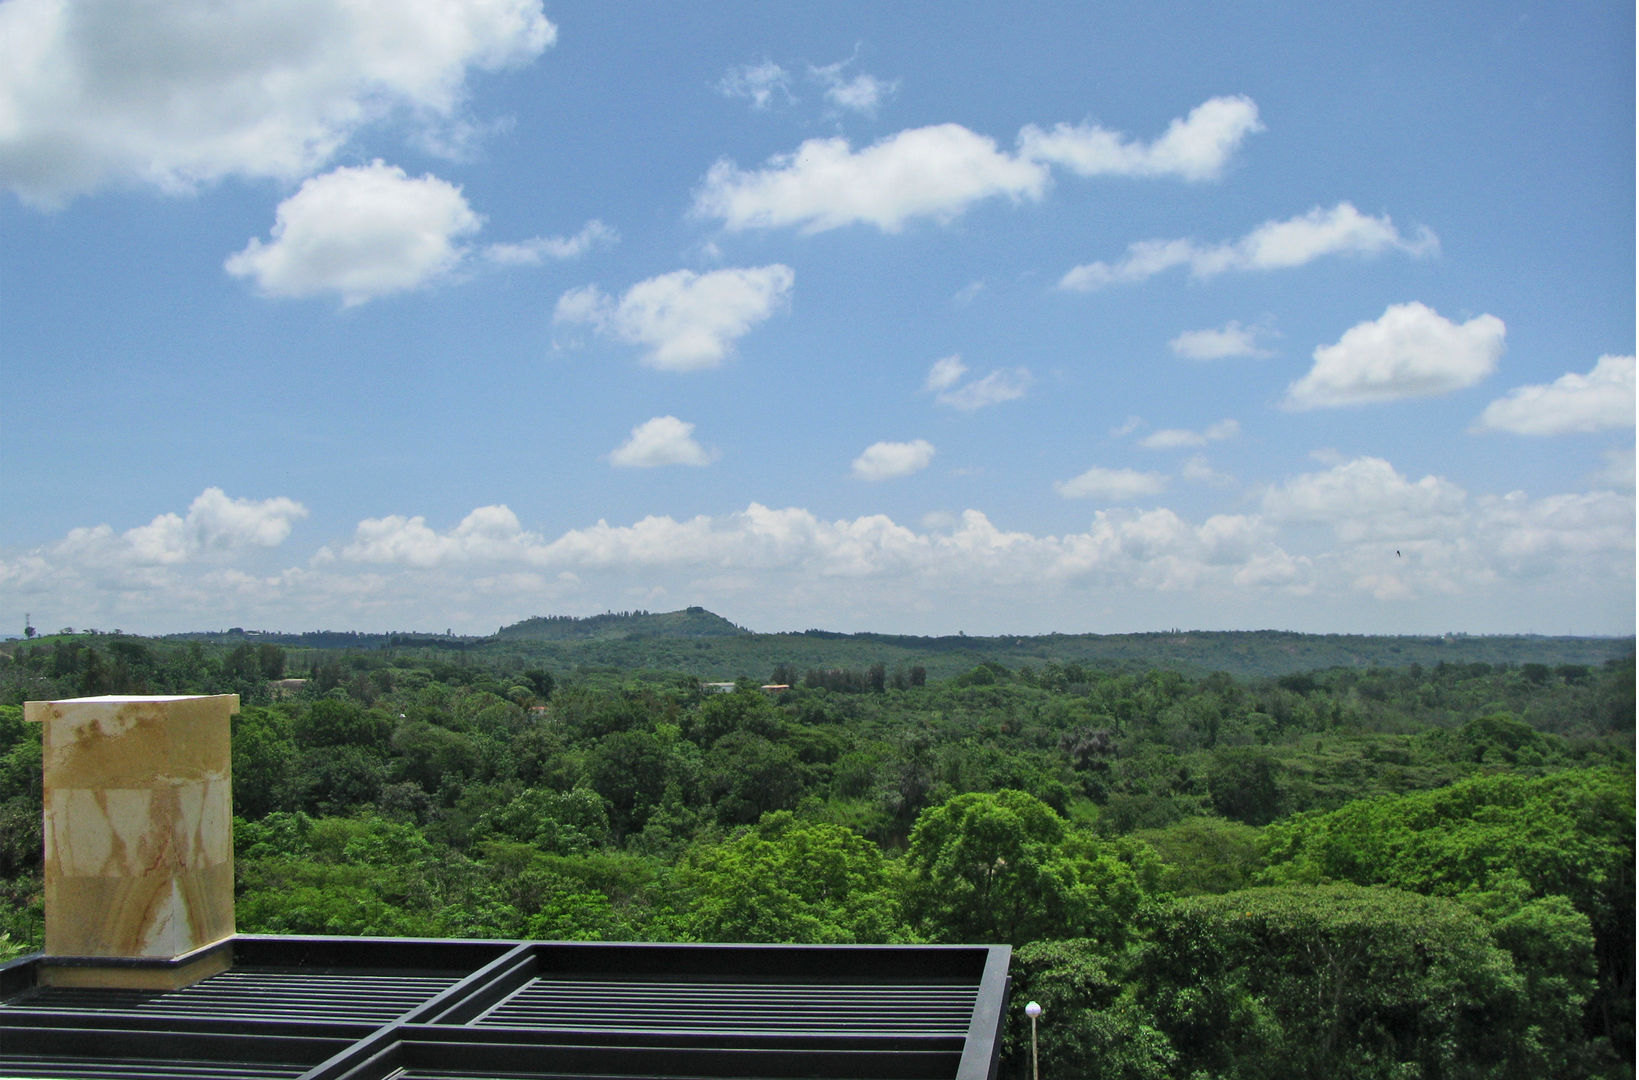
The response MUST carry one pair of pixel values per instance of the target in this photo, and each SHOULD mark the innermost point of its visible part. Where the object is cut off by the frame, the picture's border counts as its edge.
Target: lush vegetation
(1423, 869)
(697, 642)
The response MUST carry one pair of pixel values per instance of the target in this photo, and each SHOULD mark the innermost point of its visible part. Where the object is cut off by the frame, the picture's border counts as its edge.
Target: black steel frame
(611, 1009)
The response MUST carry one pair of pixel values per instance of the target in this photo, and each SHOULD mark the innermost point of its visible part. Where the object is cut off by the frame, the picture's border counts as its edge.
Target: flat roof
(332, 1008)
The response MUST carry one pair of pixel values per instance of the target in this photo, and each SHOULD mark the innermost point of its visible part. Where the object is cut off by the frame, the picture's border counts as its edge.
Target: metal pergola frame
(334, 1008)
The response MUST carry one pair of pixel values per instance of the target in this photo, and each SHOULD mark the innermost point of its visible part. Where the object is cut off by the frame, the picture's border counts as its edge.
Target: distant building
(286, 688)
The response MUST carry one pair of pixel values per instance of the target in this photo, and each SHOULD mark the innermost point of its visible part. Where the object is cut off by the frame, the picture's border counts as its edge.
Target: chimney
(138, 839)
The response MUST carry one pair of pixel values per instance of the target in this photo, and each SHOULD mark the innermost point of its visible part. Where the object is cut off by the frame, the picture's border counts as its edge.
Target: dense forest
(1414, 869)
(698, 642)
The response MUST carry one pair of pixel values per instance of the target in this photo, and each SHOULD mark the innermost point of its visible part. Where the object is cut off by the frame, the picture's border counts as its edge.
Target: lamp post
(1033, 1010)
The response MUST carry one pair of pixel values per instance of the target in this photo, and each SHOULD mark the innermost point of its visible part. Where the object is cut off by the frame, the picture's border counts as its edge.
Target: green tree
(747, 709)
(1334, 980)
(426, 754)
(632, 771)
(747, 776)
(558, 823)
(339, 721)
(263, 751)
(1243, 785)
(1569, 834)
(786, 880)
(1206, 855)
(1091, 1026)
(998, 866)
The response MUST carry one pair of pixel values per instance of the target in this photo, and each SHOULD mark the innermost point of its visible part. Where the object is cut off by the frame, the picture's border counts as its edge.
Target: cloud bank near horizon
(1309, 548)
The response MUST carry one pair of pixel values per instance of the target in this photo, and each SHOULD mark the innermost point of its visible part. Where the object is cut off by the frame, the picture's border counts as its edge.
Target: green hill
(706, 645)
(694, 622)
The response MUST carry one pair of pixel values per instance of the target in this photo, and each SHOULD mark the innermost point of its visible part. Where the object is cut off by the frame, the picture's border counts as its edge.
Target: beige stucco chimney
(138, 839)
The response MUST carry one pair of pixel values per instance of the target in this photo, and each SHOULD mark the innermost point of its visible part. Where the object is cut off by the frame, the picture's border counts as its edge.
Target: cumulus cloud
(592, 236)
(760, 83)
(1274, 245)
(935, 172)
(488, 534)
(944, 381)
(1535, 536)
(1117, 485)
(1496, 562)
(939, 172)
(1229, 341)
(360, 233)
(214, 527)
(890, 460)
(686, 321)
(1181, 438)
(1601, 400)
(1618, 470)
(1410, 351)
(187, 92)
(665, 440)
(1194, 147)
(1368, 499)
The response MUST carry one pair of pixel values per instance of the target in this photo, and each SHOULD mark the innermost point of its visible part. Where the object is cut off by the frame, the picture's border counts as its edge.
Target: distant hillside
(694, 622)
(697, 642)
(1244, 654)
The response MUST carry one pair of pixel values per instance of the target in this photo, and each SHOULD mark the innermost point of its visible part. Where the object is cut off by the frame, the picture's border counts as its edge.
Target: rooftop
(325, 1008)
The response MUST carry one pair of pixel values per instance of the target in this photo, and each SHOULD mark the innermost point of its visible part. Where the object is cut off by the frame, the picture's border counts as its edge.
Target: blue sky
(373, 315)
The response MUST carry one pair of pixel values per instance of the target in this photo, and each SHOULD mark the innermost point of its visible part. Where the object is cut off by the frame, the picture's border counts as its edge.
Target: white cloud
(935, 172)
(488, 534)
(1536, 533)
(1172, 439)
(993, 389)
(861, 94)
(1118, 485)
(766, 84)
(1229, 341)
(593, 235)
(215, 526)
(361, 233)
(1410, 351)
(1197, 470)
(1178, 438)
(758, 83)
(1196, 147)
(1368, 499)
(665, 440)
(1618, 471)
(1274, 245)
(945, 373)
(1598, 401)
(187, 92)
(218, 523)
(940, 171)
(890, 460)
(687, 321)
(1127, 427)
(1493, 563)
